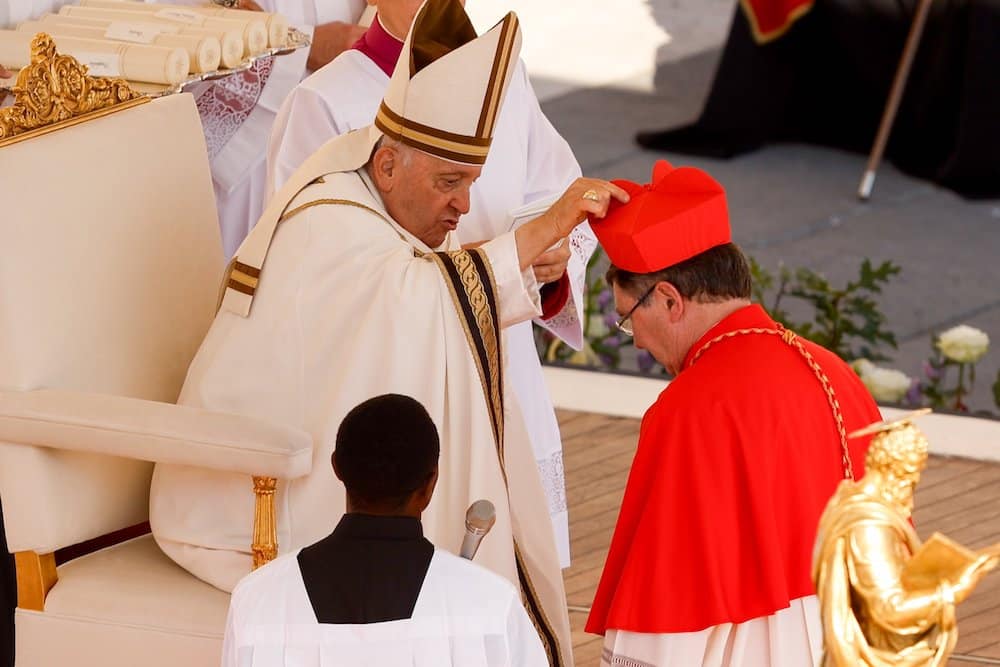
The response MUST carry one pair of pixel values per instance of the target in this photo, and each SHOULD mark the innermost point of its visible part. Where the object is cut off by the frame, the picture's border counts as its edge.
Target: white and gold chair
(109, 278)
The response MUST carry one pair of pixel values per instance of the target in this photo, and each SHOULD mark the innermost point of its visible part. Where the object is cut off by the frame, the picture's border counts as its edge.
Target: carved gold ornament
(55, 90)
(265, 524)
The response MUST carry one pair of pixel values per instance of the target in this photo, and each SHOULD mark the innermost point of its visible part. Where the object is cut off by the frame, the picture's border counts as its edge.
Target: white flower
(862, 367)
(963, 344)
(887, 385)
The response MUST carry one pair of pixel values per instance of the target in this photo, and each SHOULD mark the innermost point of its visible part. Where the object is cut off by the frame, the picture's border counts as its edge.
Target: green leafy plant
(764, 282)
(936, 388)
(846, 320)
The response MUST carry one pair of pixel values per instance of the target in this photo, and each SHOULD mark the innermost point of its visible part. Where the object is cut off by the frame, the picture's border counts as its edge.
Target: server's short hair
(718, 274)
(387, 448)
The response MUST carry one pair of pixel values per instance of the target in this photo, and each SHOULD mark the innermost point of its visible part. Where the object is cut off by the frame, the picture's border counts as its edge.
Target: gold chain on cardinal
(791, 339)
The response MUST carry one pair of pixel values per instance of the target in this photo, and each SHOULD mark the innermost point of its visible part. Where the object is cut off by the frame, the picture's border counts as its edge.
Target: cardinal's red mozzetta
(738, 456)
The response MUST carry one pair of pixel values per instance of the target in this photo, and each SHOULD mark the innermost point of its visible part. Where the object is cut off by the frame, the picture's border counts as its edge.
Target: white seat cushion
(124, 606)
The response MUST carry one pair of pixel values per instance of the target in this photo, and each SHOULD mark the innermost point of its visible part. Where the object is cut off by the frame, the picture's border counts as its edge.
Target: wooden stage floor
(958, 497)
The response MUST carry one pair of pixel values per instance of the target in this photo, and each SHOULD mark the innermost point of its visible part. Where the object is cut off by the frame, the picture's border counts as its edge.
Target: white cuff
(517, 290)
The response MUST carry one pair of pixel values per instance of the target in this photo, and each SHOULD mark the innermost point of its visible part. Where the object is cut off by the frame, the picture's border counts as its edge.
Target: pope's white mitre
(443, 99)
(448, 86)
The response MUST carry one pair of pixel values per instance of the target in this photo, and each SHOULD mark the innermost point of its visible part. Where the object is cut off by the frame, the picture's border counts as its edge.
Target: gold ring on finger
(592, 195)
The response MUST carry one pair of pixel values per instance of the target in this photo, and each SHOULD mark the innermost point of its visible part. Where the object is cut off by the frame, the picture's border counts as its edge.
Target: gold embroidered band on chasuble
(473, 289)
(472, 286)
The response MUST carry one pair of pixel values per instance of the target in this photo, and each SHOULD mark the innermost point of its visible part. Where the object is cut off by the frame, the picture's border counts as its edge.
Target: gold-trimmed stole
(473, 290)
(470, 280)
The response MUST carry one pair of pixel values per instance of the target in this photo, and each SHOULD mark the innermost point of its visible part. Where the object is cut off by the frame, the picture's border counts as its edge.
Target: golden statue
(885, 599)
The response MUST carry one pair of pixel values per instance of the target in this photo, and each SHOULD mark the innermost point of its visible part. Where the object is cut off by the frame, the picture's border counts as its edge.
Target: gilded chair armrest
(153, 431)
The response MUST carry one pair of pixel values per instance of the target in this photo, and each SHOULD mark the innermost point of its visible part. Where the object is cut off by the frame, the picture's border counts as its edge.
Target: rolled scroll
(135, 62)
(254, 32)
(277, 25)
(204, 52)
(231, 41)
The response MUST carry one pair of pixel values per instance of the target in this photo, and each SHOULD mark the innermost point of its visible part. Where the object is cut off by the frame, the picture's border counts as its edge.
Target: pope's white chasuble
(350, 306)
(528, 161)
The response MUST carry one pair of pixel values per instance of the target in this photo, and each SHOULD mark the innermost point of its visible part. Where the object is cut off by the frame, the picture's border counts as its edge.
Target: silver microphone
(479, 518)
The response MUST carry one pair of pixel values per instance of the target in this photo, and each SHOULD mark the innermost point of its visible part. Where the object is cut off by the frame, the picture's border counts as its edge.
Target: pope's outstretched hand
(585, 197)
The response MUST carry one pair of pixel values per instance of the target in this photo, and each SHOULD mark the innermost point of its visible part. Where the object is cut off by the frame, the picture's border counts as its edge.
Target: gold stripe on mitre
(442, 144)
(499, 76)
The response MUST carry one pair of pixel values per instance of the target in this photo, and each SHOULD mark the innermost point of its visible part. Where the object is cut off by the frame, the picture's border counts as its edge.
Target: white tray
(296, 40)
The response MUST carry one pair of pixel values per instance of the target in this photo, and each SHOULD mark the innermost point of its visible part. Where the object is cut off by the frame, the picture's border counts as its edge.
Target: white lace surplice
(226, 104)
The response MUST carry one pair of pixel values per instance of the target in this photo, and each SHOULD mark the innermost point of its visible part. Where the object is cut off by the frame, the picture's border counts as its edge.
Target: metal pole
(895, 96)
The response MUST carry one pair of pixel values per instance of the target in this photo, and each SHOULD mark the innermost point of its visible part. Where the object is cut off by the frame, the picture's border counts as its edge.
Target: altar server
(376, 591)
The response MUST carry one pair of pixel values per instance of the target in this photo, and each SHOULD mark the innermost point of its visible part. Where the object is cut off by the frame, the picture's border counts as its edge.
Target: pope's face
(430, 195)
